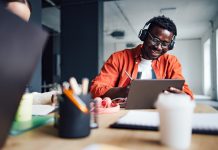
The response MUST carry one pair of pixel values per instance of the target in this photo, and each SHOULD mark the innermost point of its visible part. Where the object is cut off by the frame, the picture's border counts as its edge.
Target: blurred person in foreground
(23, 9)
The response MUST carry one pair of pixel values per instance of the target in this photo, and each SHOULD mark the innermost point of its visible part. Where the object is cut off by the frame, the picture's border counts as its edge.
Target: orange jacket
(113, 72)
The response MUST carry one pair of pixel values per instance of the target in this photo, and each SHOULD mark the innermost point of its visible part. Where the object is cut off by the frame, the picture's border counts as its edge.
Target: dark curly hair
(163, 22)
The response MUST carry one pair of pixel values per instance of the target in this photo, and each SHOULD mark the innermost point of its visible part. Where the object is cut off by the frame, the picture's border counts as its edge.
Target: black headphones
(142, 35)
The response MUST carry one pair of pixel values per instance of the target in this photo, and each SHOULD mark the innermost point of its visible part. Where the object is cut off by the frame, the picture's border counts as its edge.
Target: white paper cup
(175, 111)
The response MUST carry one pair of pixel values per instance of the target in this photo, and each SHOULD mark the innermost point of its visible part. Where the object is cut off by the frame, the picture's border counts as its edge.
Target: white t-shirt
(145, 68)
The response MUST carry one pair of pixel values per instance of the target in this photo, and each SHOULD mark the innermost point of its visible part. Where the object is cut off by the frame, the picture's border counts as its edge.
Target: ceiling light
(118, 34)
(167, 10)
(130, 45)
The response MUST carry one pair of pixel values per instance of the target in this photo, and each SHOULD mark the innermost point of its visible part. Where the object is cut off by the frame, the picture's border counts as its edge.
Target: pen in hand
(128, 75)
(128, 86)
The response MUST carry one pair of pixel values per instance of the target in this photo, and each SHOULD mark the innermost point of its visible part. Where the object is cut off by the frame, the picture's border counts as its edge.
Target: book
(37, 121)
(202, 123)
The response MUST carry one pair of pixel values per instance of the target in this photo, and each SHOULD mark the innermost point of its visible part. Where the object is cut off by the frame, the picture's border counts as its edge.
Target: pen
(75, 86)
(85, 85)
(76, 100)
(66, 85)
(128, 75)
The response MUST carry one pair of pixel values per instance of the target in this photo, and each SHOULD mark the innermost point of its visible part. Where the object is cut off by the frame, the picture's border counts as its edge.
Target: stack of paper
(42, 109)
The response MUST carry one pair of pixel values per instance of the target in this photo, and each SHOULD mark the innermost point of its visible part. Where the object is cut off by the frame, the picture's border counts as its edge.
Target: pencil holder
(72, 122)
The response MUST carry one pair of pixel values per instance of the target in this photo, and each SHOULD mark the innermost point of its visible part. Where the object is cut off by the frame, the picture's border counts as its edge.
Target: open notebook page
(42, 109)
(134, 119)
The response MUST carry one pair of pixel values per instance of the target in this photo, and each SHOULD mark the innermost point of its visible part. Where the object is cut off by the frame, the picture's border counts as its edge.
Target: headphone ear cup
(171, 46)
(142, 34)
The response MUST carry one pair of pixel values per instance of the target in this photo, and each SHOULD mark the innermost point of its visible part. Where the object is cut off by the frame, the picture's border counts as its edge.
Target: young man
(149, 58)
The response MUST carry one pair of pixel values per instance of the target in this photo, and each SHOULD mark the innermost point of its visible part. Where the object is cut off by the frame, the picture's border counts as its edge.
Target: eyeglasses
(155, 41)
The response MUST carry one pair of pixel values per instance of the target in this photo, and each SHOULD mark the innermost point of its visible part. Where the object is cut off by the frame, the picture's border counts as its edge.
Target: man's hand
(175, 90)
(117, 92)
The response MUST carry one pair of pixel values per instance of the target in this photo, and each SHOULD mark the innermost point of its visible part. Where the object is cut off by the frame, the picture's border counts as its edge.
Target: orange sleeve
(107, 78)
(176, 73)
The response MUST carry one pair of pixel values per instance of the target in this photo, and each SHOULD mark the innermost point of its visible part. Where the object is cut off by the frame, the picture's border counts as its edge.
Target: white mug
(175, 111)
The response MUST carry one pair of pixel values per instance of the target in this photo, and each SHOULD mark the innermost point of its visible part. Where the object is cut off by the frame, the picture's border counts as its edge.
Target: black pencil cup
(72, 122)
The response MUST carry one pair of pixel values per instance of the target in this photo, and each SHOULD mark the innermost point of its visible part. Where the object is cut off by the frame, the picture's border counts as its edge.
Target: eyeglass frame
(158, 42)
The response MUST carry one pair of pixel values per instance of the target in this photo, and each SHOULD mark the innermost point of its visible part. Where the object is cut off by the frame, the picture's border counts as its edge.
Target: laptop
(144, 93)
(21, 46)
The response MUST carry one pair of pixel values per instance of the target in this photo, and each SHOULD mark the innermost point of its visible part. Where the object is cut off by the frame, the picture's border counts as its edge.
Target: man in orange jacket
(149, 59)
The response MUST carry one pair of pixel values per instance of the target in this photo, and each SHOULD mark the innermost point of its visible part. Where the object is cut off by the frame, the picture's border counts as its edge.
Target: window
(207, 69)
(217, 58)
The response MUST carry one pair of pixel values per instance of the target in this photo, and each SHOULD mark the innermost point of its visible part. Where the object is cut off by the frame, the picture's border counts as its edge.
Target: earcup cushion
(142, 34)
(172, 43)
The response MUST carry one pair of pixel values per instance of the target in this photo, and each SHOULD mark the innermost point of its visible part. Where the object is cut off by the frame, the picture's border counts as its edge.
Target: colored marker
(76, 100)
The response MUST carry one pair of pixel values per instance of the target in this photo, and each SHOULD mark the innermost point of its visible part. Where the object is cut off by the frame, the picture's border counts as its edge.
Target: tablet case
(144, 93)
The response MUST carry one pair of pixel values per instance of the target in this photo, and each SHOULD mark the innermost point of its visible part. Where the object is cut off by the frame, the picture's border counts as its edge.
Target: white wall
(110, 48)
(189, 53)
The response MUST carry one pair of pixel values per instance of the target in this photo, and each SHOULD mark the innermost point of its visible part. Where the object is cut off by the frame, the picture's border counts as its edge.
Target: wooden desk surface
(46, 137)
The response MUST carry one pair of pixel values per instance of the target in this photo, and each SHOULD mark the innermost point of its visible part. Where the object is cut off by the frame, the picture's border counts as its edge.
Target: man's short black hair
(163, 22)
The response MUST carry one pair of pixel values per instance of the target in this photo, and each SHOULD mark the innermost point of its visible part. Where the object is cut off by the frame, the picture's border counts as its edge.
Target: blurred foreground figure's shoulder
(20, 8)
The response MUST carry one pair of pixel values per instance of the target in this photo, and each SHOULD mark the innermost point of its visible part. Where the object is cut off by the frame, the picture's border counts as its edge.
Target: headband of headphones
(143, 32)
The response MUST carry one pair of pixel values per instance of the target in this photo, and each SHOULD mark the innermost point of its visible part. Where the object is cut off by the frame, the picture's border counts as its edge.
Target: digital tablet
(144, 93)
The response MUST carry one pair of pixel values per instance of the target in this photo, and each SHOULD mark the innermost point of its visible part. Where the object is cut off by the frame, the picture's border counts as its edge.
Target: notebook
(144, 93)
(202, 123)
(21, 46)
(37, 121)
(42, 110)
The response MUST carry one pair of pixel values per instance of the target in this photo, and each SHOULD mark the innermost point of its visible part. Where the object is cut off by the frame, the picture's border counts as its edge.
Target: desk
(46, 137)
